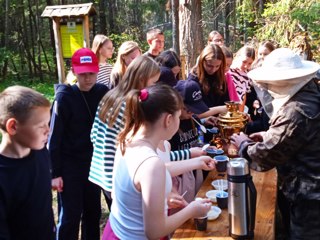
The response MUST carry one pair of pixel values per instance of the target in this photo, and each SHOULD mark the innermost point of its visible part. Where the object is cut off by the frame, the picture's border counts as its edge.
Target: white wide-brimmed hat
(283, 64)
(280, 77)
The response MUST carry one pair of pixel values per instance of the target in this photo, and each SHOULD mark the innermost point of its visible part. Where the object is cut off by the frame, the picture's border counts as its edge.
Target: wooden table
(266, 185)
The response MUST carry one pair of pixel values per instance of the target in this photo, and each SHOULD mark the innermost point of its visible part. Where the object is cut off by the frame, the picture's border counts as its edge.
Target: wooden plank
(266, 185)
(86, 37)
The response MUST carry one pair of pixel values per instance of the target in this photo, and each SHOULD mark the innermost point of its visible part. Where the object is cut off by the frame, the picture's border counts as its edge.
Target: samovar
(230, 122)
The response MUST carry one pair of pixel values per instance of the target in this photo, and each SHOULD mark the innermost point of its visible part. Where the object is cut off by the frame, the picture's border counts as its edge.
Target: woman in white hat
(291, 98)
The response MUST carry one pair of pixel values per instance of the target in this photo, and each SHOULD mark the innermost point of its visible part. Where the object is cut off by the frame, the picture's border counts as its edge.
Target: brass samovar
(230, 122)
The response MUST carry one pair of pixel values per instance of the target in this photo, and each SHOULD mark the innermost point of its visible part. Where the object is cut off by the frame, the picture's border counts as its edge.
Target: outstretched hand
(196, 152)
(201, 207)
(211, 121)
(238, 138)
(207, 163)
(257, 137)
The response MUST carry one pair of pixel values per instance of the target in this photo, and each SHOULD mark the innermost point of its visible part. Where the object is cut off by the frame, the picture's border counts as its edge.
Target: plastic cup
(222, 199)
(222, 161)
(201, 223)
(212, 152)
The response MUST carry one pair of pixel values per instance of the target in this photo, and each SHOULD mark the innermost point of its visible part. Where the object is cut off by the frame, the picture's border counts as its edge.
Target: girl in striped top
(239, 68)
(109, 121)
(103, 48)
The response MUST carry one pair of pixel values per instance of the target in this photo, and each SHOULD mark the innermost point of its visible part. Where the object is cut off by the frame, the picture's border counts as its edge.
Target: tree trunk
(112, 12)
(39, 41)
(227, 21)
(102, 17)
(137, 15)
(53, 47)
(216, 15)
(191, 40)
(175, 26)
(4, 69)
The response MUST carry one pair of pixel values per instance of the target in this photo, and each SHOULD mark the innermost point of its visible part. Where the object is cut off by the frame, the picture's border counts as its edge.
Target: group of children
(119, 131)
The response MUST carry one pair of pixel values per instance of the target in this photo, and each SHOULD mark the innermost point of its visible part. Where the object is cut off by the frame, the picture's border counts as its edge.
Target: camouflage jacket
(292, 144)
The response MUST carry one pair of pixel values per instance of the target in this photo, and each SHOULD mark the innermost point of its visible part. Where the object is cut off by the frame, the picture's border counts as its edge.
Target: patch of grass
(46, 88)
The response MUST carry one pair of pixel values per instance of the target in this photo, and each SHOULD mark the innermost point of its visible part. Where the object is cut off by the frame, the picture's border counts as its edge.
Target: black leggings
(107, 196)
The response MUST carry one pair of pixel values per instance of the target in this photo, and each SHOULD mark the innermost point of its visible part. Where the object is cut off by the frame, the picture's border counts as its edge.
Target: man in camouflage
(291, 97)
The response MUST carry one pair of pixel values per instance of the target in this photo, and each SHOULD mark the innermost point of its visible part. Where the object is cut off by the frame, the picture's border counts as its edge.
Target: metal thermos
(242, 199)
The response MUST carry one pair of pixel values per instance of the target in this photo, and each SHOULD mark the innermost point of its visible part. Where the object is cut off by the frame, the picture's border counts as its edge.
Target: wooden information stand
(71, 30)
(266, 185)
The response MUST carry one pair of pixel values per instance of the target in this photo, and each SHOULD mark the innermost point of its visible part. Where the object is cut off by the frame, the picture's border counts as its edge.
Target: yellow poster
(71, 38)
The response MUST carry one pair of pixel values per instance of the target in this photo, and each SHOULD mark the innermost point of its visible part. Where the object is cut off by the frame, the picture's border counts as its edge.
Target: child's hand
(57, 184)
(211, 121)
(207, 163)
(176, 201)
(196, 152)
(201, 207)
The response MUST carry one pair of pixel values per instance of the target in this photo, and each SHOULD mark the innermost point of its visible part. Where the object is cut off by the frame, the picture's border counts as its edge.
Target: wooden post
(86, 31)
(59, 57)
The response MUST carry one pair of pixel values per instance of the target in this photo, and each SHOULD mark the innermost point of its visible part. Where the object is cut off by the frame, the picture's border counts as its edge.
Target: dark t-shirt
(25, 197)
(212, 98)
(186, 136)
(150, 55)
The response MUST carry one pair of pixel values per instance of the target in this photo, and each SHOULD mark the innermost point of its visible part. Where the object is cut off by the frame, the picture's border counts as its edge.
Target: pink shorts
(108, 233)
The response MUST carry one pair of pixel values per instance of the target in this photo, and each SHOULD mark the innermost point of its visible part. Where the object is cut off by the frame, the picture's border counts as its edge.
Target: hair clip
(143, 95)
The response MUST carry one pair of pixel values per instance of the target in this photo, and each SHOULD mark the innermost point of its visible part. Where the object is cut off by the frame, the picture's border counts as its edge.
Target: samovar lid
(233, 114)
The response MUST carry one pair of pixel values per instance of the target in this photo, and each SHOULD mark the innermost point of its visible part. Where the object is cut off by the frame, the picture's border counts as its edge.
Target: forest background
(27, 52)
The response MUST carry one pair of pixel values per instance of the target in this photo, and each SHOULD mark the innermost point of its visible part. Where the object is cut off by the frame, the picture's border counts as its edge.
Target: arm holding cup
(151, 179)
(202, 162)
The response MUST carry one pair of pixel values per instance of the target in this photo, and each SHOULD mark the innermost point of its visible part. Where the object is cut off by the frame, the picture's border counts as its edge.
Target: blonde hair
(97, 43)
(126, 48)
(137, 75)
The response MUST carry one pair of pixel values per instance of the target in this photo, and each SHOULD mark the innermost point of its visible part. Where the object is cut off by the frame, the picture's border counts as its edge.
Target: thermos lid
(238, 167)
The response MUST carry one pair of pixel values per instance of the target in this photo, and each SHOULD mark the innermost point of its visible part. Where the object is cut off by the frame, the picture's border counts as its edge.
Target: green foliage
(131, 34)
(46, 88)
(285, 18)
(282, 20)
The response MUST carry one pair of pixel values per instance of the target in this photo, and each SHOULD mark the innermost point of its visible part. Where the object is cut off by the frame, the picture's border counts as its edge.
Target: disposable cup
(222, 199)
(221, 164)
(201, 223)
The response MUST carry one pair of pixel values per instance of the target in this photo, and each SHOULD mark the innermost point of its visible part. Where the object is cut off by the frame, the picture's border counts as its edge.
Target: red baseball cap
(84, 61)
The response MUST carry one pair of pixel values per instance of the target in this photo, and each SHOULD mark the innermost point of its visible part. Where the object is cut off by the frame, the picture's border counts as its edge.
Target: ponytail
(147, 106)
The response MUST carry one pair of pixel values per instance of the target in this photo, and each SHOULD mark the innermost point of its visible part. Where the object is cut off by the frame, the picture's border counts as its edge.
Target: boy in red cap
(71, 150)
